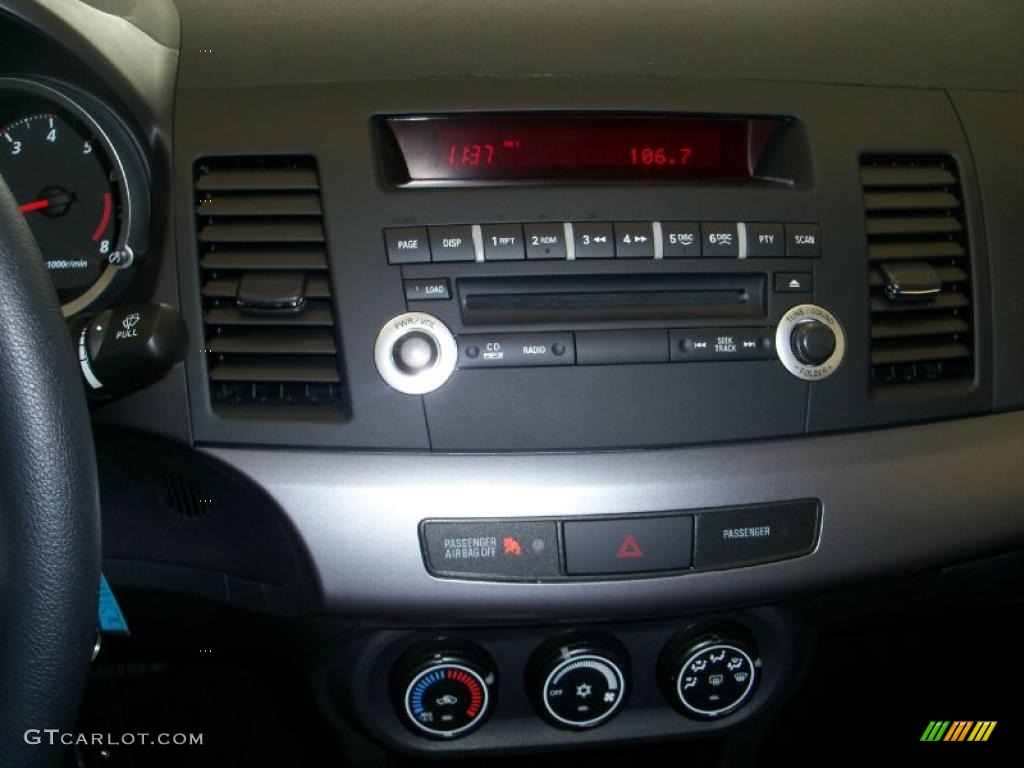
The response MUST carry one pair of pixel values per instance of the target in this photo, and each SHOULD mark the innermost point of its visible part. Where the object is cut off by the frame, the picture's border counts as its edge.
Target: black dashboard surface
(965, 45)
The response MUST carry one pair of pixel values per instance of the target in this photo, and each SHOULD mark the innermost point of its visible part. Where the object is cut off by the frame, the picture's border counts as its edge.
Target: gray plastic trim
(894, 501)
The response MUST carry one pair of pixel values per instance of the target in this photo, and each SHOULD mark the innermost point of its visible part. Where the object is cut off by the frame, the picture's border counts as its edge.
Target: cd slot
(605, 298)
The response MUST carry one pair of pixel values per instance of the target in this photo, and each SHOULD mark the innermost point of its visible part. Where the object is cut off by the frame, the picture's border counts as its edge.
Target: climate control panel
(469, 690)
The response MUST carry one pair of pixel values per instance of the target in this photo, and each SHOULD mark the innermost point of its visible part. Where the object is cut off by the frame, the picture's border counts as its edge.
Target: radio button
(407, 245)
(634, 240)
(545, 241)
(503, 242)
(516, 350)
(720, 240)
(803, 241)
(703, 344)
(680, 239)
(765, 241)
(593, 240)
(452, 243)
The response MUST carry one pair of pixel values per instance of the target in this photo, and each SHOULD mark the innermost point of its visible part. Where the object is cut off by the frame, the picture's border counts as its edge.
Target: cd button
(720, 240)
(634, 240)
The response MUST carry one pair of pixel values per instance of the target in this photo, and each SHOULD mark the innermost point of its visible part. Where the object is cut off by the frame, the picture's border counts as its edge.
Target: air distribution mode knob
(709, 675)
(415, 353)
(445, 693)
(579, 682)
(810, 342)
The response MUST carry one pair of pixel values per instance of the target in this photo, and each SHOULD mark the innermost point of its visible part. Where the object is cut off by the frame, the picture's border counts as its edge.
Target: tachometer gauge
(78, 183)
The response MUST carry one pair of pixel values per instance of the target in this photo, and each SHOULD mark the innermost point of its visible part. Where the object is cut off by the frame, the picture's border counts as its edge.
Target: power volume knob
(415, 353)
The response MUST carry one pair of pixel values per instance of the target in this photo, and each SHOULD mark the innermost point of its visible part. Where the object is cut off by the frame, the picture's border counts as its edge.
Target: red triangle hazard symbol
(629, 548)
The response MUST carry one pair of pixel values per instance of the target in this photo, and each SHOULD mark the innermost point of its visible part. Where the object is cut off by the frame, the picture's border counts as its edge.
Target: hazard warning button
(628, 545)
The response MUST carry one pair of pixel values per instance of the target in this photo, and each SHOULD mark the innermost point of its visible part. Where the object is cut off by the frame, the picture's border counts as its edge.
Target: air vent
(180, 495)
(270, 330)
(919, 271)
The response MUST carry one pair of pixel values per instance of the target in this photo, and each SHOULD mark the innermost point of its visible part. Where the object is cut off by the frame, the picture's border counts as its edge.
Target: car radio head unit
(475, 149)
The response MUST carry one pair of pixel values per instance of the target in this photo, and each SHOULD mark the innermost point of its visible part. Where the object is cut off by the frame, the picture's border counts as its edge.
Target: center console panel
(631, 306)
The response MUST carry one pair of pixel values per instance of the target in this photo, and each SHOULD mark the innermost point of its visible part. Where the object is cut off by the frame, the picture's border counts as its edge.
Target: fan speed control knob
(415, 353)
(579, 682)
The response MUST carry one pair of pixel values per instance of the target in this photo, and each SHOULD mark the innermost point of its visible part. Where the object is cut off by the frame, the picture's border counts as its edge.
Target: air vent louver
(269, 322)
(919, 270)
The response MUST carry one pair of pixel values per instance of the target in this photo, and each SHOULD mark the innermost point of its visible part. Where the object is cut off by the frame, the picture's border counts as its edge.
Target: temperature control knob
(810, 342)
(445, 694)
(415, 353)
(579, 682)
(709, 676)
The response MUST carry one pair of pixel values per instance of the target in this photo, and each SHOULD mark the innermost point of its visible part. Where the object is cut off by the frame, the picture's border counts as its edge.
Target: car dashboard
(558, 352)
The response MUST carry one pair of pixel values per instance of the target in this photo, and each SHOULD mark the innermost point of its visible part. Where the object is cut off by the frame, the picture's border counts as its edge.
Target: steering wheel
(49, 508)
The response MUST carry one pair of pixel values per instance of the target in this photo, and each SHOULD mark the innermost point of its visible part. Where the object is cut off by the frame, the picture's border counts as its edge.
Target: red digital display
(500, 149)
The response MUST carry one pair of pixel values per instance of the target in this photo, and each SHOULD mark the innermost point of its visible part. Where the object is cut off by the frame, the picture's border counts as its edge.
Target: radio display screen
(469, 150)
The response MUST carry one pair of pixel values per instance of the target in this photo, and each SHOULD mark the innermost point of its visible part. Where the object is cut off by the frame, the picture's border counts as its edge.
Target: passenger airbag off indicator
(508, 550)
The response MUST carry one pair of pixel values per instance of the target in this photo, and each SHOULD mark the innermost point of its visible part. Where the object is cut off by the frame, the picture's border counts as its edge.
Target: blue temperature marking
(421, 687)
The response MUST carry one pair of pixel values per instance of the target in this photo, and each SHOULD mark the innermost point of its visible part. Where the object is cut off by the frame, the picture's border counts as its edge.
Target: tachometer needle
(57, 201)
(35, 205)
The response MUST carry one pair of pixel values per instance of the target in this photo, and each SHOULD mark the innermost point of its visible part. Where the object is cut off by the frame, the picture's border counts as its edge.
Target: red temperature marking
(476, 696)
(108, 205)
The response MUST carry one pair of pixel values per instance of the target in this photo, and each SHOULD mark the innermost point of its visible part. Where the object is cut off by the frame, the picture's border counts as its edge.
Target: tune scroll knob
(813, 342)
(415, 353)
(810, 342)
